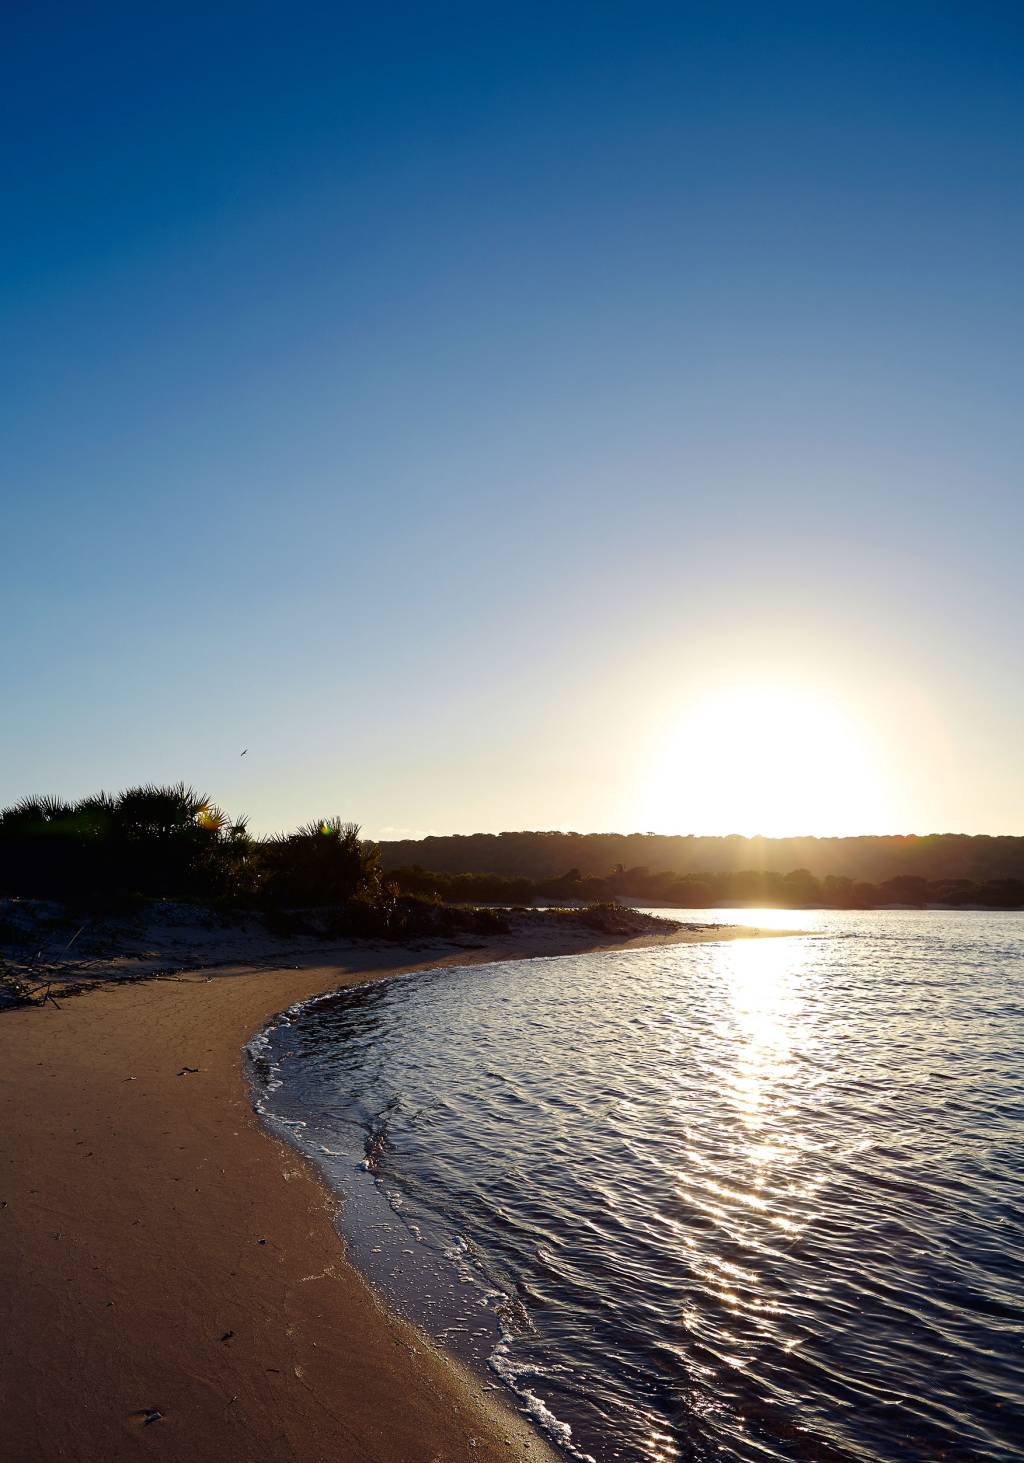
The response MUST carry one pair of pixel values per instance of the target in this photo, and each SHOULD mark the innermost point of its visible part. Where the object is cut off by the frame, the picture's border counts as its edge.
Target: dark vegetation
(937, 858)
(172, 843)
(117, 887)
(798, 889)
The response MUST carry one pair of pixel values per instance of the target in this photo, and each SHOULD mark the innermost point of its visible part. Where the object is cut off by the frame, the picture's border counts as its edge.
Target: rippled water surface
(754, 1200)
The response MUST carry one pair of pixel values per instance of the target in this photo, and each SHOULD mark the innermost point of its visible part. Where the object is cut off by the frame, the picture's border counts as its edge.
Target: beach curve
(172, 1275)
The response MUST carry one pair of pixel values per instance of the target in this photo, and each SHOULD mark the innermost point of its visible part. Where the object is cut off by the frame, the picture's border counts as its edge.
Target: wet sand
(161, 1252)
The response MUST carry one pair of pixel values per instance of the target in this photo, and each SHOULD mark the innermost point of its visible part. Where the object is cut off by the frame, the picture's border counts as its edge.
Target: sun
(759, 758)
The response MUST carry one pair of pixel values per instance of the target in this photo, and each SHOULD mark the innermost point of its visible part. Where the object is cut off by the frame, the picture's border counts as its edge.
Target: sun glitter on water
(764, 759)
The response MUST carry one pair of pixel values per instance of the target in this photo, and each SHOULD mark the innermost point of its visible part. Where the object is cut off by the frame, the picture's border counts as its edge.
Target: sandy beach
(161, 1253)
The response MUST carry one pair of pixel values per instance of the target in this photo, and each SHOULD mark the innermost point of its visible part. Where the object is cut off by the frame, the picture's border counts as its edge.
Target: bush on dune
(175, 843)
(164, 842)
(324, 863)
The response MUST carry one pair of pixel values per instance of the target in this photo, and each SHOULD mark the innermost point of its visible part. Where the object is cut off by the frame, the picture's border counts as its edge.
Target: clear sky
(500, 416)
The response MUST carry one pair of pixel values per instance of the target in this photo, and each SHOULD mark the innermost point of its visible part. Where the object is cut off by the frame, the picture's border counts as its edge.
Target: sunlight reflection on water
(751, 1200)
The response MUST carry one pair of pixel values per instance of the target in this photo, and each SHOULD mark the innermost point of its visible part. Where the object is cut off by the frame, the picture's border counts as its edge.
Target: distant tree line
(798, 889)
(940, 857)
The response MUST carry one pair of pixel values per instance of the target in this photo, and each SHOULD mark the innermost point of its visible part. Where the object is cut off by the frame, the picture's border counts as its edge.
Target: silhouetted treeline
(798, 889)
(173, 843)
(537, 856)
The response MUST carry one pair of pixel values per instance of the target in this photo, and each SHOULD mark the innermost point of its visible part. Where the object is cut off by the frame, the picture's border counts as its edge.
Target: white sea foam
(556, 1429)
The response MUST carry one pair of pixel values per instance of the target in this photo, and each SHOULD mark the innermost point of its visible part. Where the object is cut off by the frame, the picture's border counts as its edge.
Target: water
(759, 1200)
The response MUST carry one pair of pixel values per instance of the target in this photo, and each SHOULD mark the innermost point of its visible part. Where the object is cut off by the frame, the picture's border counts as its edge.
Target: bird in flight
(242, 754)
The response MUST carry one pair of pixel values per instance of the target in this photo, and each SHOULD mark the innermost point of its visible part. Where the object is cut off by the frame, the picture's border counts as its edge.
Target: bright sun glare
(763, 759)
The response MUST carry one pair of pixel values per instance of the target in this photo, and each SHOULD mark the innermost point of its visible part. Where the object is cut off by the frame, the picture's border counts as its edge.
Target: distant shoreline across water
(539, 854)
(744, 889)
(943, 871)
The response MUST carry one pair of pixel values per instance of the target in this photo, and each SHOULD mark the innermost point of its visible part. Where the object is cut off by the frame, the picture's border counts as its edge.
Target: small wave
(560, 1432)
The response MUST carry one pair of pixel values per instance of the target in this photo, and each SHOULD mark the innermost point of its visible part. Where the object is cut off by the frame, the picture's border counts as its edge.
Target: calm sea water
(756, 1200)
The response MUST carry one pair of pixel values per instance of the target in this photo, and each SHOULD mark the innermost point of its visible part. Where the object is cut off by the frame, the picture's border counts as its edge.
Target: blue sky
(445, 402)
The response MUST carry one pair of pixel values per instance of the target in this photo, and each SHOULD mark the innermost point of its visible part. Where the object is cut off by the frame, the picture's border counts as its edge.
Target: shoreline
(161, 1250)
